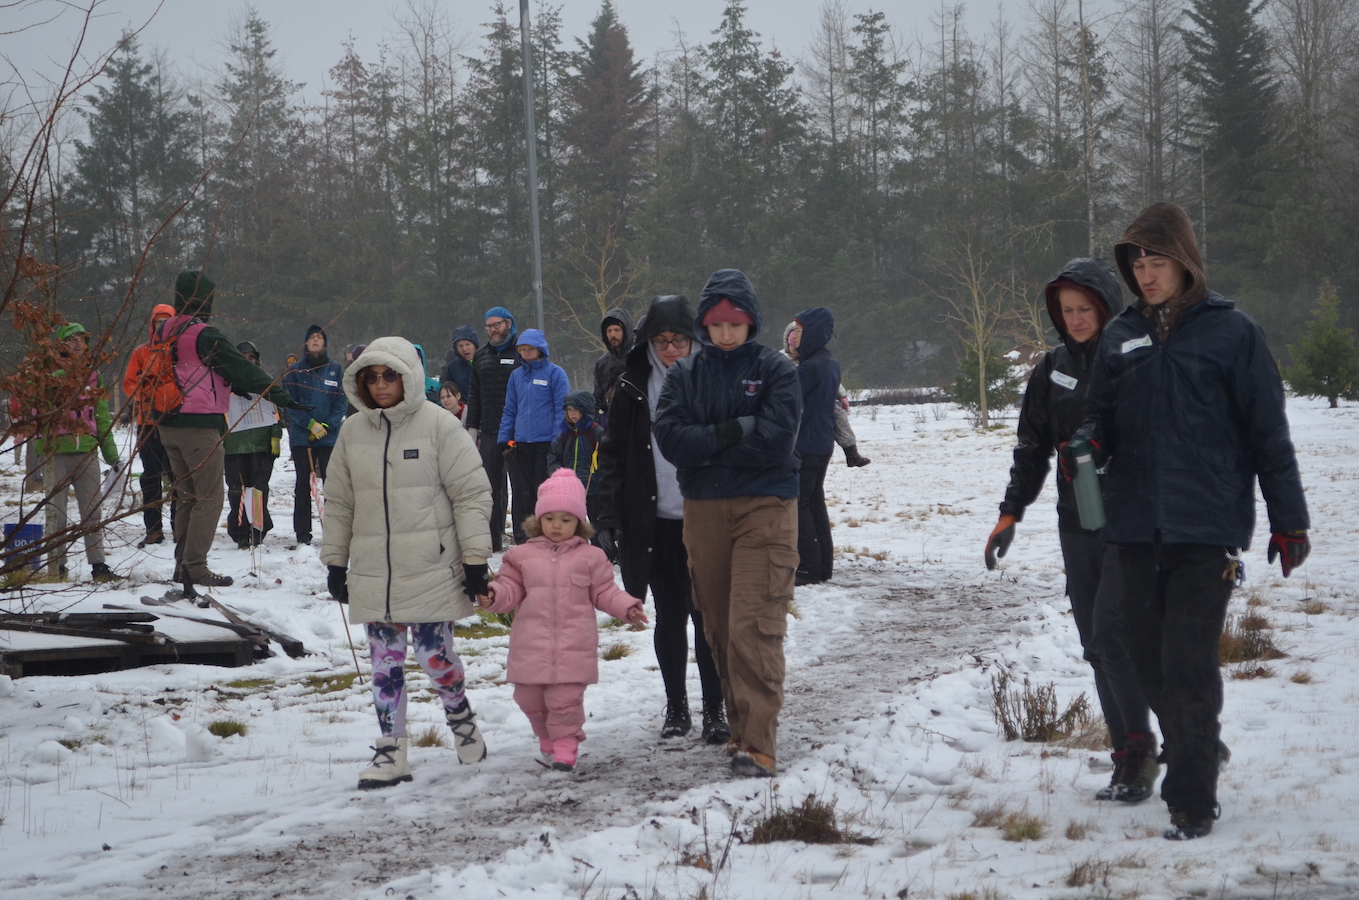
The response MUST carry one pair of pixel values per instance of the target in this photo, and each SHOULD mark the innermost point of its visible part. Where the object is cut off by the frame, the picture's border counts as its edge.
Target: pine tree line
(923, 188)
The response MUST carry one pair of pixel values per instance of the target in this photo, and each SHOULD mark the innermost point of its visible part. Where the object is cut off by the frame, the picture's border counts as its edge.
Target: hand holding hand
(475, 579)
(636, 616)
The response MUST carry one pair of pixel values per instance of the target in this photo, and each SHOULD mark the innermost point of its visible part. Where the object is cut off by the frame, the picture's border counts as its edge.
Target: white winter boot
(467, 738)
(389, 764)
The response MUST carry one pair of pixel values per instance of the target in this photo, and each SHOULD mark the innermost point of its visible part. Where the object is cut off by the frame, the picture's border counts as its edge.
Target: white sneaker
(467, 738)
(389, 764)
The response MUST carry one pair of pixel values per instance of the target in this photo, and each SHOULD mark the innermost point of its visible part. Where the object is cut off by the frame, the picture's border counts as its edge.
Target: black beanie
(316, 329)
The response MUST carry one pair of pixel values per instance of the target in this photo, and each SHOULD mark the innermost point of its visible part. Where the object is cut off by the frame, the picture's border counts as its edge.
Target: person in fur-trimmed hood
(1186, 410)
(728, 418)
(407, 513)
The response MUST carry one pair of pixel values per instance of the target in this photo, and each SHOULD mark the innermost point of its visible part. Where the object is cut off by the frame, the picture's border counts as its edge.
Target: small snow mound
(166, 739)
(50, 752)
(200, 746)
(6, 686)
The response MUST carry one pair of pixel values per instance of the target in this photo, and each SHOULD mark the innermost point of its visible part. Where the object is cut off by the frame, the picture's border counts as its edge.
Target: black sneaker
(715, 727)
(101, 572)
(304, 539)
(677, 720)
(212, 579)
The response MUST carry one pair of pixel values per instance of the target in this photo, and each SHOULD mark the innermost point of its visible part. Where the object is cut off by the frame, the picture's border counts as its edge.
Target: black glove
(608, 542)
(474, 580)
(728, 434)
(1291, 547)
(337, 582)
(301, 407)
(240, 392)
(505, 449)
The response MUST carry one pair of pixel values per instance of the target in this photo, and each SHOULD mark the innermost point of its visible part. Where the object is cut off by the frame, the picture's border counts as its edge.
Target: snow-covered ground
(888, 717)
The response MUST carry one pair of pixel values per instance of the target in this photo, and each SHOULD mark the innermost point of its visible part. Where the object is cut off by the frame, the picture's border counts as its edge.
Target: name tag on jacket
(330, 383)
(1135, 343)
(507, 362)
(542, 381)
(1064, 380)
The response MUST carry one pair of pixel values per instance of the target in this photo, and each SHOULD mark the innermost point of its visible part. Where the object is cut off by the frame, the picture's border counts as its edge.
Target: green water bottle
(1089, 501)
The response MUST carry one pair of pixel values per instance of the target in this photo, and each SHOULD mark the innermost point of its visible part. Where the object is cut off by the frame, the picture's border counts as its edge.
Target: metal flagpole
(532, 131)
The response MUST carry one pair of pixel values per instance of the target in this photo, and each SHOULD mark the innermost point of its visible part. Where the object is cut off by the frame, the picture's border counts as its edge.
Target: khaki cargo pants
(742, 555)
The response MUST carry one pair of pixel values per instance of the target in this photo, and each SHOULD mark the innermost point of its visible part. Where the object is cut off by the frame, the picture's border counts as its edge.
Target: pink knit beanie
(561, 492)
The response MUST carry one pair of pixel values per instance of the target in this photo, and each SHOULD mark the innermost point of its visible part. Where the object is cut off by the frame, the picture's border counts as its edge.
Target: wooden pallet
(110, 656)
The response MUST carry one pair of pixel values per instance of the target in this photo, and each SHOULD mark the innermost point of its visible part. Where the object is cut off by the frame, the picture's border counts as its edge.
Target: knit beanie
(726, 311)
(561, 492)
(316, 329)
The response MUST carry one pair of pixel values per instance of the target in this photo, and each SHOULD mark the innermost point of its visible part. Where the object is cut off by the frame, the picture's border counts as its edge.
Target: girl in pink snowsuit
(555, 582)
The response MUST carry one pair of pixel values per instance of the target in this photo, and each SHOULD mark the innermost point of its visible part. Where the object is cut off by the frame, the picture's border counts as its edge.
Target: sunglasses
(679, 342)
(390, 376)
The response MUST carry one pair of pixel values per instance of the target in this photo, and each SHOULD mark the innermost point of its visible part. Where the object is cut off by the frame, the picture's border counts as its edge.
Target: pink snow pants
(554, 710)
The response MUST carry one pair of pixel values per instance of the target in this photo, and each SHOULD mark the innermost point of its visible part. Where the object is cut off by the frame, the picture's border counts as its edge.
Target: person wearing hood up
(316, 381)
(209, 367)
(535, 393)
(458, 359)
(406, 513)
(845, 438)
(640, 513)
(253, 441)
(1081, 299)
(577, 441)
(492, 365)
(728, 418)
(617, 334)
(819, 374)
(431, 383)
(72, 427)
(1186, 412)
(150, 451)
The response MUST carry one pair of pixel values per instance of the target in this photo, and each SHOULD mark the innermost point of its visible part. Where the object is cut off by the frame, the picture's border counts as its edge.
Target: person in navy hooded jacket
(728, 419)
(534, 397)
(819, 375)
(317, 383)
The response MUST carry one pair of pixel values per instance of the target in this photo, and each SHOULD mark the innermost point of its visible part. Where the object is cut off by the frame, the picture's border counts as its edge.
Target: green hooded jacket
(98, 409)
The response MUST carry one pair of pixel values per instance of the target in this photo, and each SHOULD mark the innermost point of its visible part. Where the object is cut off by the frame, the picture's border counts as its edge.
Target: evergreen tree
(1325, 360)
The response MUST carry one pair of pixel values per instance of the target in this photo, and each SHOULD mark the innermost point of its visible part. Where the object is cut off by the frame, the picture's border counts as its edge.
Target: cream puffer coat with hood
(407, 500)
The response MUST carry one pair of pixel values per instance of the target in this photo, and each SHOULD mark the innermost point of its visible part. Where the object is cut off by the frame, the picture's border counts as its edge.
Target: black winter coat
(1054, 400)
(818, 373)
(609, 366)
(1188, 424)
(491, 372)
(626, 499)
(751, 384)
(457, 369)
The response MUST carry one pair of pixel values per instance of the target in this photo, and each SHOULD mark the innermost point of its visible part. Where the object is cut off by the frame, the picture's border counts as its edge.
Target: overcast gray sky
(308, 33)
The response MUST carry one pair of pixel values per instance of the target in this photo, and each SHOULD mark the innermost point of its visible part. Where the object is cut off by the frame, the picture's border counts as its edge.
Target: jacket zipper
(556, 630)
(386, 510)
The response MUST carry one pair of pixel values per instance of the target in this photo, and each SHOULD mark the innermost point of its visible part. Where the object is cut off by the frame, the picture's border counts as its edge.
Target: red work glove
(998, 544)
(1066, 461)
(1291, 547)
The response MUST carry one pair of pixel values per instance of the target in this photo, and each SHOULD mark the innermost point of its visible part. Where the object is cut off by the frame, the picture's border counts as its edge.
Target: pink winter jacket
(555, 590)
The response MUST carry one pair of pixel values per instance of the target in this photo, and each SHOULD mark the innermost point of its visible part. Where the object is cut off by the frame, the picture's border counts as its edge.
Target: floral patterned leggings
(433, 650)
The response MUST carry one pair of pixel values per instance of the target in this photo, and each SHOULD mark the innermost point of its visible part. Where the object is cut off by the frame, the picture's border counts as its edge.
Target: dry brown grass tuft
(1248, 639)
(813, 821)
(431, 736)
(1031, 714)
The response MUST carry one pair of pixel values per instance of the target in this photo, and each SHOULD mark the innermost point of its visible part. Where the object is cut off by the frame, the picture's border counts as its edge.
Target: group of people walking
(697, 463)
(1181, 402)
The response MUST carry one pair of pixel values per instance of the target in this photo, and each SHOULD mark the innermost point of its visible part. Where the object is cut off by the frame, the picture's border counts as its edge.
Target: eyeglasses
(679, 342)
(390, 376)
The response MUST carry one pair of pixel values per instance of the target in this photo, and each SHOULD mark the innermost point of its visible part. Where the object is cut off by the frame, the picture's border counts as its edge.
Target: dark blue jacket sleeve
(337, 404)
(776, 424)
(1033, 451)
(1260, 392)
(684, 442)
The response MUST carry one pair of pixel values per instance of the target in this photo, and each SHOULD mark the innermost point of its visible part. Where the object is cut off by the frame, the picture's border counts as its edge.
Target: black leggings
(672, 591)
(815, 547)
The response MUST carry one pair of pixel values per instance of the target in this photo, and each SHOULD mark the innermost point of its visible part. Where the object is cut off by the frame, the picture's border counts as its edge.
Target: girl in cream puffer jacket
(407, 516)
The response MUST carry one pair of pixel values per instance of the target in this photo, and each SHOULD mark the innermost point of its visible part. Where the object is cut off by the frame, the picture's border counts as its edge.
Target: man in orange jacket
(155, 462)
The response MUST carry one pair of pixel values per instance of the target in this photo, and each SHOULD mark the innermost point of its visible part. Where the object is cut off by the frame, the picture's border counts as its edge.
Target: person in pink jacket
(555, 582)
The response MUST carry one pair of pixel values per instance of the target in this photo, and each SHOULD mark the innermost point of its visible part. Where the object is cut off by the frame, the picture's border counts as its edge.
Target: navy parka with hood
(457, 369)
(317, 382)
(609, 366)
(491, 369)
(819, 374)
(1054, 400)
(751, 384)
(1190, 422)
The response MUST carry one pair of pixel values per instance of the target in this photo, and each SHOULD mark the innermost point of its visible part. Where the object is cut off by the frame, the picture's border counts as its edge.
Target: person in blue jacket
(819, 374)
(534, 397)
(458, 365)
(728, 419)
(317, 383)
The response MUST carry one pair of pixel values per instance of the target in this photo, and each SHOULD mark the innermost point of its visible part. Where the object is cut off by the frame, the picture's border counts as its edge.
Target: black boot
(715, 727)
(677, 720)
(853, 459)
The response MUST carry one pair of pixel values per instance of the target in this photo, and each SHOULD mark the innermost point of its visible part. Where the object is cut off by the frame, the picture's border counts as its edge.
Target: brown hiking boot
(751, 763)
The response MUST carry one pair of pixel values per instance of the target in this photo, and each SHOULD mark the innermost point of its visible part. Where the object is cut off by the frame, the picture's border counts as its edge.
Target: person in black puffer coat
(616, 332)
(819, 374)
(1187, 408)
(458, 358)
(728, 420)
(492, 366)
(1081, 299)
(640, 516)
